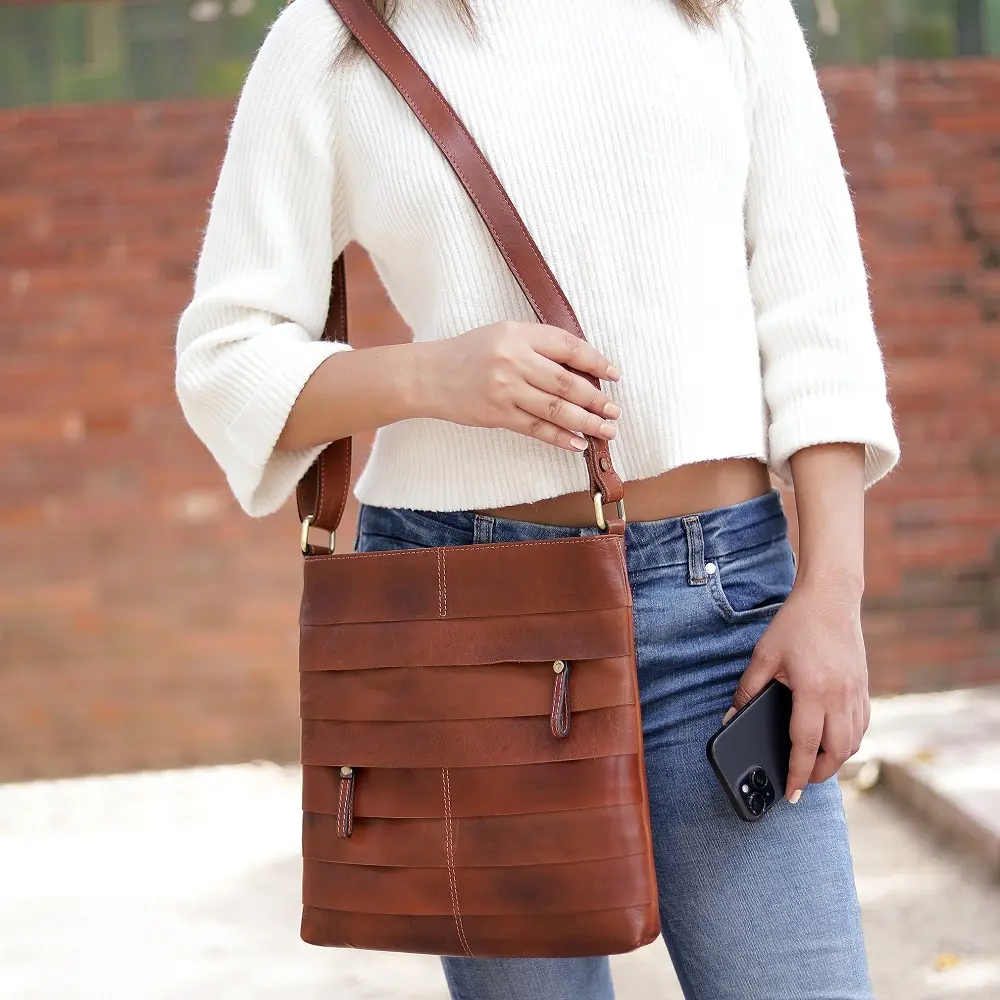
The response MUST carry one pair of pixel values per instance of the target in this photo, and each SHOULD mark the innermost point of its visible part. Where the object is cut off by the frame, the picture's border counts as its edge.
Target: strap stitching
(341, 281)
(342, 297)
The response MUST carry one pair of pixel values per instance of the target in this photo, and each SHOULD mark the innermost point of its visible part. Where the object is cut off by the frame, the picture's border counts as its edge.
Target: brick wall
(144, 622)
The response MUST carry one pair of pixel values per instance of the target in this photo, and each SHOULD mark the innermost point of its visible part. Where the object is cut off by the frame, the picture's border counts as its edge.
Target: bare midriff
(690, 489)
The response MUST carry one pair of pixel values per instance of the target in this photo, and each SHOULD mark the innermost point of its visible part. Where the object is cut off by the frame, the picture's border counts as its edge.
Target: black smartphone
(750, 753)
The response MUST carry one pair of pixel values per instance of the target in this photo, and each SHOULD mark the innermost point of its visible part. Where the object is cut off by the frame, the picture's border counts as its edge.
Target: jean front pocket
(752, 584)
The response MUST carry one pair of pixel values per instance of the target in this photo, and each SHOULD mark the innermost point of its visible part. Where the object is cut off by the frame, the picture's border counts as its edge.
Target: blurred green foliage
(863, 31)
(128, 49)
(109, 50)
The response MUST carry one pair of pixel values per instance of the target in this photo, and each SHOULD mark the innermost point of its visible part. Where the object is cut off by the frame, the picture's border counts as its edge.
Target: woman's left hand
(814, 646)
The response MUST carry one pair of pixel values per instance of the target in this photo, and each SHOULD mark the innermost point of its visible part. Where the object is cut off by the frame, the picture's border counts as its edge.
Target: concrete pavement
(185, 885)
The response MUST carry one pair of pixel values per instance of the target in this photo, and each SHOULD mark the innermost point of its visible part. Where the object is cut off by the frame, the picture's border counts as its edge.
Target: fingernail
(612, 411)
(579, 443)
(728, 716)
(795, 796)
(613, 373)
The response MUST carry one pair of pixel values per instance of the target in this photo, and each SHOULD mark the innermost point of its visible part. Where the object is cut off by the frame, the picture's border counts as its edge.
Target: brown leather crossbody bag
(473, 773)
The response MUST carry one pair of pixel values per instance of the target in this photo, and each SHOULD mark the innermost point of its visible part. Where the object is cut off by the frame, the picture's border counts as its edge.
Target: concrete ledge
(938, 756)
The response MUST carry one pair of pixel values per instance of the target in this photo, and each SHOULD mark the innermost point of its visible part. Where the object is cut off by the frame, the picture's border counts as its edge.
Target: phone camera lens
(756, 803)
(759, 778)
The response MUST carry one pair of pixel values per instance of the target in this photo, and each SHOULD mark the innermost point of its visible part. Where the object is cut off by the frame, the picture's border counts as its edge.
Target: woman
(676, 165)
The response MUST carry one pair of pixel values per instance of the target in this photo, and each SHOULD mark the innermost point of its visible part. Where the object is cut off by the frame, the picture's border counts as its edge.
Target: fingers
(554, 379)
(806, 731)
(562, 347)
(837, 745)
(843, 732)
(562, 413)
(755, 678)
(544, 430)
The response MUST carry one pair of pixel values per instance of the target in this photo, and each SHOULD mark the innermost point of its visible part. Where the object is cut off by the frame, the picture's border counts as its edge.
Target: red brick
(144, 622)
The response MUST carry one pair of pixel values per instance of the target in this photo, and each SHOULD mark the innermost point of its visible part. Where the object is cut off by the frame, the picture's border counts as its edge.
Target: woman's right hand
(511, 375)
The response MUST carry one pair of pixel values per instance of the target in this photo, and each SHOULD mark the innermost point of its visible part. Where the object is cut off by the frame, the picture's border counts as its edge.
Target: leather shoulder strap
(323, 491)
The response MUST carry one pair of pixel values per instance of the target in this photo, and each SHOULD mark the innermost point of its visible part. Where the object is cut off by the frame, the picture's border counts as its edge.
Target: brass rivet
(559, 666)
(346, 772)
(604, 464)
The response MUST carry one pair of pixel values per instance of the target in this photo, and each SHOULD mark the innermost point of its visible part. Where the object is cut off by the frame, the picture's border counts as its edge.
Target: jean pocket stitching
(728, 612)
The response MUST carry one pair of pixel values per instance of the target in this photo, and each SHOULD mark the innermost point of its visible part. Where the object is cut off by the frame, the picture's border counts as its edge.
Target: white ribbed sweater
(683, 184)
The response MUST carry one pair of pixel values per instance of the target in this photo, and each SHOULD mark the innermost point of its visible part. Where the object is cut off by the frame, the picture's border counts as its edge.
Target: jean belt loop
(482, 529)
(696, 550)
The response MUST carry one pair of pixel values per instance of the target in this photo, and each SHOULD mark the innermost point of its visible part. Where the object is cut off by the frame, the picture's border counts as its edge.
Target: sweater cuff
(269, 477)
(835, 420)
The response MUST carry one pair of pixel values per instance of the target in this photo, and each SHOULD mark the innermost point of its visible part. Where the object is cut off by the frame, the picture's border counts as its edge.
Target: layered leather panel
(478, 582)
(410, 793)
(467, 743)
(480, 841)
(611, 932)
(425, 694)
(575, 887)
(573, 635)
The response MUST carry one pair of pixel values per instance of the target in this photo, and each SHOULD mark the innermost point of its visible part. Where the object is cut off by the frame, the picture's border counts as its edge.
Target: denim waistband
(693, 539)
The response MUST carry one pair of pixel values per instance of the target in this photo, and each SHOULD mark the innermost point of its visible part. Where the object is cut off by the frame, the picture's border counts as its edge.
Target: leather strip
(576, 887)
(467, 743)
(560, 715)
(504, 691)
(519, 250)
(345, 805)
(579, 635)
(485, 841)
(323, 490)
(605, 932)
(415, 793)
(466, 581)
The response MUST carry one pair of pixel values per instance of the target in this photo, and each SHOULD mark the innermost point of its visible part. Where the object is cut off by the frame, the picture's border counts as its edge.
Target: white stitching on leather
(342, 807)
(440, 561)
(449, 850)
(462, 549)
(444, 583)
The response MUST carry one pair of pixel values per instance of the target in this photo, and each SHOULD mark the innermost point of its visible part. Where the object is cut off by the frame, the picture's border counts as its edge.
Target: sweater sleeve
(823, 376)
(250, 338)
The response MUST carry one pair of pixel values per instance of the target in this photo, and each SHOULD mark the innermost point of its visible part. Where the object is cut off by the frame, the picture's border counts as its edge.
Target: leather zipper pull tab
(345, 805)
(560, 717)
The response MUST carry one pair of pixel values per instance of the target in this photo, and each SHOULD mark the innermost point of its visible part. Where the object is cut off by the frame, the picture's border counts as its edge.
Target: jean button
(710, 569)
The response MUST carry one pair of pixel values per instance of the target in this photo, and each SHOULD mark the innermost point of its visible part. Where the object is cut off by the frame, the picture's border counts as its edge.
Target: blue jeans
(761, 911)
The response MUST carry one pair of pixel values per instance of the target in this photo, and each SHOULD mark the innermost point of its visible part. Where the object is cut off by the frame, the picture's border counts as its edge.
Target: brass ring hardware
(307, 523)
(599, 511)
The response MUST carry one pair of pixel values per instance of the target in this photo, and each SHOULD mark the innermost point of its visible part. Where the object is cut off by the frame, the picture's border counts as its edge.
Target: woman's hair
(699, 11)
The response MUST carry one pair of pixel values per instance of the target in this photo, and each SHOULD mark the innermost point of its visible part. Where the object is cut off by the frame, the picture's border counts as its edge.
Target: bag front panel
(475, 828)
